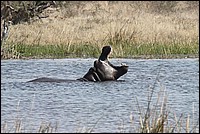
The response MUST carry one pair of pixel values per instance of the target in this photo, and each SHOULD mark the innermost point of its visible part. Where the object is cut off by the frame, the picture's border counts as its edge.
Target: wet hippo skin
(102, 70)
(108, 71)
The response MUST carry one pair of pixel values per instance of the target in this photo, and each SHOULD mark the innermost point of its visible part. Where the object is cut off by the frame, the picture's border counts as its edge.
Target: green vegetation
(56, 51)
(123, 50)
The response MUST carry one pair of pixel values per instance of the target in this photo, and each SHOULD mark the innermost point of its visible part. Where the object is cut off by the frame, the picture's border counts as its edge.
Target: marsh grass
(121, 50)
(158, 118)
(9, 51)
(57, 51)
(133, 29)
(155, 50)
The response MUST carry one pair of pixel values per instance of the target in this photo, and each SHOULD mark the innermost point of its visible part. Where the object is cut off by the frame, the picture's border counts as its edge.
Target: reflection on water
(105, 105)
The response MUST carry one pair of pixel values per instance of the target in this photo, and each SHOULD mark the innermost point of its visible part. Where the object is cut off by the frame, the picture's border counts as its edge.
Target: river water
(76, 106)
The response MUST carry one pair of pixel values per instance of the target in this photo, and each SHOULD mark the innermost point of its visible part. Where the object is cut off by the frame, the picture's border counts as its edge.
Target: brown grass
(98, 22)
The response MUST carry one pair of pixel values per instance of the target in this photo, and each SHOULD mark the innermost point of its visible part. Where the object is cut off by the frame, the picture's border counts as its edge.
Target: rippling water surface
(104, 106)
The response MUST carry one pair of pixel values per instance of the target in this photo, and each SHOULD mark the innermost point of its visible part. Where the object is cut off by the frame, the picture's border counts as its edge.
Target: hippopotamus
(102, 70)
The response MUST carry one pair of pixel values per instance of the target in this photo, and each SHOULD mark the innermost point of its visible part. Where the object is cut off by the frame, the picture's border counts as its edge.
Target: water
(104, 106)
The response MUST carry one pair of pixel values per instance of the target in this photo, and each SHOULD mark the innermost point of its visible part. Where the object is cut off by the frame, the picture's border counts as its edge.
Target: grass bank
(133, 29)
(123, 50)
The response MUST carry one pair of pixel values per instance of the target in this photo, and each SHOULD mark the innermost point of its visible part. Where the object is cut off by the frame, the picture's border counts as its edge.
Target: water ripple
(75, 104)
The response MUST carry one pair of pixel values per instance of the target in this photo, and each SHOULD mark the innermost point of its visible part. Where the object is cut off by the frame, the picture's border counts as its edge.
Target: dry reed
(109, 20)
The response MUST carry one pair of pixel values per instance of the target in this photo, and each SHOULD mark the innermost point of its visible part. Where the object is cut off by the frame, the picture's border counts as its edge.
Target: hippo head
(107, 72)
(103, 70)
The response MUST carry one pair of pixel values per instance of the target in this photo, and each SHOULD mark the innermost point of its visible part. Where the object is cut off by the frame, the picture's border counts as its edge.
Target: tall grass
(122, 50)
(157, 117)
(156, 28)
